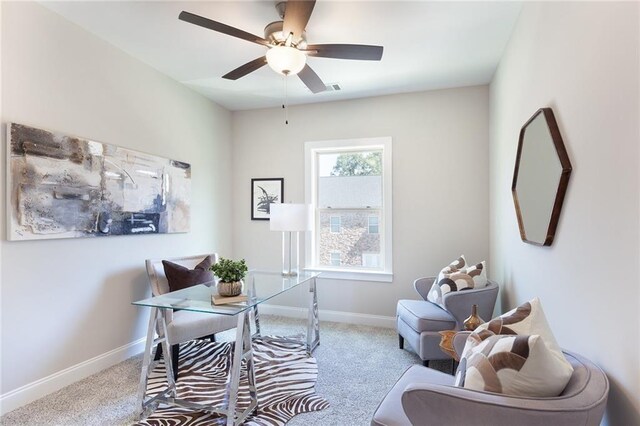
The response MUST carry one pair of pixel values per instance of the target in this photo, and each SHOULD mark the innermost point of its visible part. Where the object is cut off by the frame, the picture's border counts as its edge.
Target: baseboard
(333, 316)
(35, 390)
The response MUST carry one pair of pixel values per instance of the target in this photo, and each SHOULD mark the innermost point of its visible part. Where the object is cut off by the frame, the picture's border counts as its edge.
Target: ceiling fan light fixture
(286, 60)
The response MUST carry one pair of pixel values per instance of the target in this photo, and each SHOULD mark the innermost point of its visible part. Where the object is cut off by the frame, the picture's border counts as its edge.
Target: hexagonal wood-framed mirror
(540, 178)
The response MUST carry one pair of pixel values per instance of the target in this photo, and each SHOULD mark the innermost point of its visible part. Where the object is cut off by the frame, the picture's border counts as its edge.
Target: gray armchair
(423, 396)
(183, 326)
(420, 321)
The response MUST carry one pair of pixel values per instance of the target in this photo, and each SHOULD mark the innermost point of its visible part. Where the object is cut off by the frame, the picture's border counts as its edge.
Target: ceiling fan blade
(296, 17)
(221, 28)
(361, 52)
(245, 69)
(311, 80)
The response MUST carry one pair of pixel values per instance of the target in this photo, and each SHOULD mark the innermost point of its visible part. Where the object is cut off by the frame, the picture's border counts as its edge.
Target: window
(371, 260)
(373, 225)
(334, 224)
(348, 184)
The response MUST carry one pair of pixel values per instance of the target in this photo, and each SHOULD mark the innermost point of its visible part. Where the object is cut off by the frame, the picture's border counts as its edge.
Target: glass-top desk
(259, 287)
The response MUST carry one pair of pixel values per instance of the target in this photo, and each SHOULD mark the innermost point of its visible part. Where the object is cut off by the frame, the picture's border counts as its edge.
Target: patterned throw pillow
(515, 365)
(466, 278)
(526, 319)
(454, 266)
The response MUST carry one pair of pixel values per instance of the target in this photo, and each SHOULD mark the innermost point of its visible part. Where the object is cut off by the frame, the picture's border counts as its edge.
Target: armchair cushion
(180, 277)
(515, 365)
(187, 325)
(425, 316)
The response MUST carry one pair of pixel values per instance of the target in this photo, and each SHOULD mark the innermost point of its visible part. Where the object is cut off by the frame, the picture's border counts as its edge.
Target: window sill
(383, 277)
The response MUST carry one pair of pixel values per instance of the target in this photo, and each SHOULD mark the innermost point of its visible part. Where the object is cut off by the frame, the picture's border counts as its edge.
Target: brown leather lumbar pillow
(180, 277)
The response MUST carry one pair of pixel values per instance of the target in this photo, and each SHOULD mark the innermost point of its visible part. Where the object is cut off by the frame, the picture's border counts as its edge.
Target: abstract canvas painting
(61, 186)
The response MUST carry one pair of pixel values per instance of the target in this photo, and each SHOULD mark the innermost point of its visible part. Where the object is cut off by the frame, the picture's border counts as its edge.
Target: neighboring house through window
(373, 224)
(335, 224)
(348, 182)
(371, 260)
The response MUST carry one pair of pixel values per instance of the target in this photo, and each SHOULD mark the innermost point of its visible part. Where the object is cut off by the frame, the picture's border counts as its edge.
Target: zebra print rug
(285, 380)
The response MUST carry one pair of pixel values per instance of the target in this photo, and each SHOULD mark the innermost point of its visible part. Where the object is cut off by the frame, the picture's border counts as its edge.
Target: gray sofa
(423, 396)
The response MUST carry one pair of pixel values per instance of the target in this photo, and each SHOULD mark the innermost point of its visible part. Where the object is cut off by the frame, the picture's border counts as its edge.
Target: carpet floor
(357, 365)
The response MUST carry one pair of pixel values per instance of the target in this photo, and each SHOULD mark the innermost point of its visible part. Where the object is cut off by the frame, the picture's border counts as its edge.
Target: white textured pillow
(515, 365)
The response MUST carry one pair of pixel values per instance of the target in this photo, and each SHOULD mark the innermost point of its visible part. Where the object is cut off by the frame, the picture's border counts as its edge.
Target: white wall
(440, 182)
(582, 60)
(66, 301)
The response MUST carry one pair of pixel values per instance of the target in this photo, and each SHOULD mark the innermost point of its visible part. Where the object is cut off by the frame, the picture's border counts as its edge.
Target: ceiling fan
(288, 48)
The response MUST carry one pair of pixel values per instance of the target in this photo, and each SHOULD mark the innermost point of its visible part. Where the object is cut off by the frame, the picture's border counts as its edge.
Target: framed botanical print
(264, 192)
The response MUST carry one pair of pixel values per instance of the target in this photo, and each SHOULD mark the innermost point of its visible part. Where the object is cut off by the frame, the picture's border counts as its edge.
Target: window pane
(350, 179)
(373, 225)
(371, 260)
(335, 224)
(352, 241)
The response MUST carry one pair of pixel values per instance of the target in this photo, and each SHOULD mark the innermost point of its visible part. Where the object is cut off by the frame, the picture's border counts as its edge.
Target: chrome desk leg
(242, 350)
(251, 293)
(251, 374)
(256, 320)
(156, 317)
(313, 325)
(168, 365)
(146, 361)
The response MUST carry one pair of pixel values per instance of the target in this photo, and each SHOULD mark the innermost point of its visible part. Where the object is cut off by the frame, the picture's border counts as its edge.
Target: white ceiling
(427, 45)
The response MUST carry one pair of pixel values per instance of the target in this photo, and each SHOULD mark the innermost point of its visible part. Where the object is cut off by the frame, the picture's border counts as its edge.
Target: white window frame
(339, 224)
(311, 151)
(377, 225)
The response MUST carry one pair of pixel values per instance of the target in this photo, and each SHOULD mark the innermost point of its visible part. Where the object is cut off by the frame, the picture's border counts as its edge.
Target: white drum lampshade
(290, 218)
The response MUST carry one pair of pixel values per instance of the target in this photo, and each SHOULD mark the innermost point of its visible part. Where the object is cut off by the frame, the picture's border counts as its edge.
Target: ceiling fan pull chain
(285, 105)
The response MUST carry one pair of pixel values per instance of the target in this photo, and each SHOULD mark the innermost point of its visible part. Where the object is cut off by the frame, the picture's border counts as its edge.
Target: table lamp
(290, 218)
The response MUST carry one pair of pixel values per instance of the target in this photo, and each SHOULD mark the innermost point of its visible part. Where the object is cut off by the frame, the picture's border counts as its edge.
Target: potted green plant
(230, 274)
